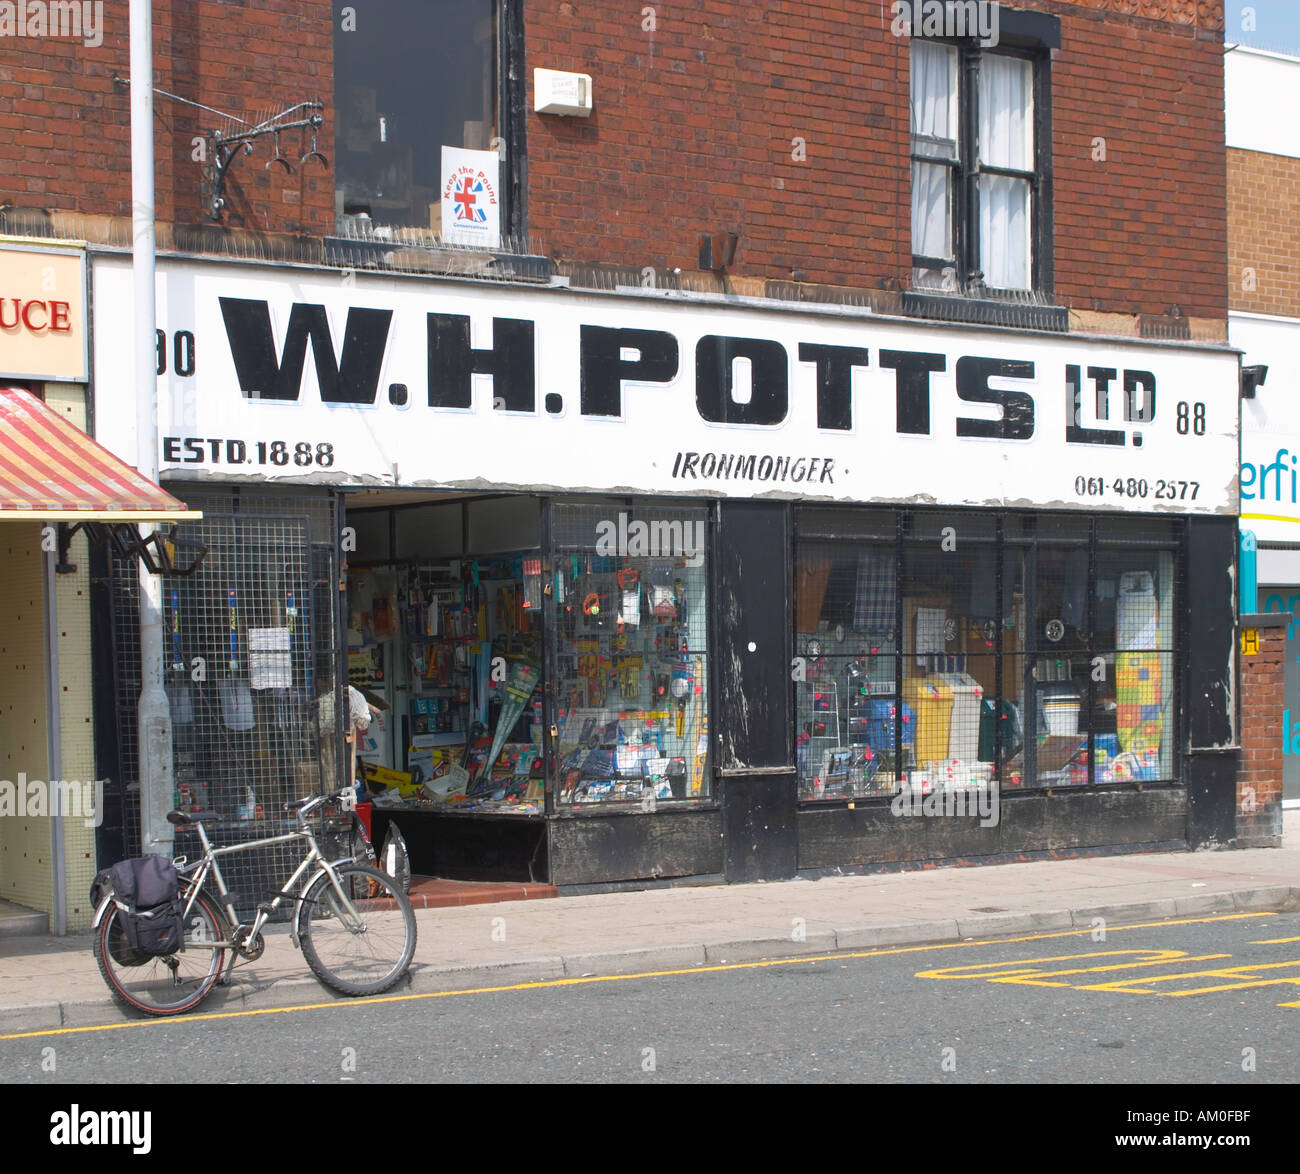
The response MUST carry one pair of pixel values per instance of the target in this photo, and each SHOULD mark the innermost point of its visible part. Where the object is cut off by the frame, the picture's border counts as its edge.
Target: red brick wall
(1144, 229)
(693, 132)
(65, 127)
(692, 127)
(1263, 233)
(1259, 783)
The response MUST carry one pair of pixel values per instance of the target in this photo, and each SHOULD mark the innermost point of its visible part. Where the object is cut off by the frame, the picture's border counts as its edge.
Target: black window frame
(511, 117)
(1028, 36)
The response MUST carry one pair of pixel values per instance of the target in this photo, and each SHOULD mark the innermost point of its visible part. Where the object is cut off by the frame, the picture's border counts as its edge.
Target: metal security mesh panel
(850, 734)
(240, 671)
(249, 671)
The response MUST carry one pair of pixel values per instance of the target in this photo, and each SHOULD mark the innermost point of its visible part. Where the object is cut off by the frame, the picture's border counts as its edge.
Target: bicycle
(354, 925)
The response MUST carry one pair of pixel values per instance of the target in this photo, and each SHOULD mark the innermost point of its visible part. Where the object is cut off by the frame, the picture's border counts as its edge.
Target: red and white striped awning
(52, 471)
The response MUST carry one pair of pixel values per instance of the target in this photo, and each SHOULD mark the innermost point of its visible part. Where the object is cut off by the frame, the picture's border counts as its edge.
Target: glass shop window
(898, 663)
(631, 666)
(951, 613)
(1132, 688)
(847, 737)
(1096, 683)
(409, 79)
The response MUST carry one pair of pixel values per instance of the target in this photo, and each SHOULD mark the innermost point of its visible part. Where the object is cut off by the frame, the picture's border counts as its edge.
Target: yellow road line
(1246, 973)
(1274, 941)
(1025, 972)
(543, 984)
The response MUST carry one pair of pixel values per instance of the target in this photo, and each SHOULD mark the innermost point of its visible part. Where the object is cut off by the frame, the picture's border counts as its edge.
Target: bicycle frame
(242, 932)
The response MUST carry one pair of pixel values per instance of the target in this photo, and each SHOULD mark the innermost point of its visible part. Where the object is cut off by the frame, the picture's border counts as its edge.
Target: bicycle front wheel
(173, 983)
(364, 950)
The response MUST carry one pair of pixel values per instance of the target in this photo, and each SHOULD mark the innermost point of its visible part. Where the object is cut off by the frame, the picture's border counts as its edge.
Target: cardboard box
(393, 780)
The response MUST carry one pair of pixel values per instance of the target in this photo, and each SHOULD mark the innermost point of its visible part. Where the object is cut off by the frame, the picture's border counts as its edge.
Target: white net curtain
(934, 136)
(1006, 120)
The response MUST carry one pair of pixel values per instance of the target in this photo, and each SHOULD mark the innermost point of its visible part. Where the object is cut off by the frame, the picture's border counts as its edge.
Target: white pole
(154, 716)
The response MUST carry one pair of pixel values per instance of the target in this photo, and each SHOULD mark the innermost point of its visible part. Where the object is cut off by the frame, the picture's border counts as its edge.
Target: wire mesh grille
(249, 671)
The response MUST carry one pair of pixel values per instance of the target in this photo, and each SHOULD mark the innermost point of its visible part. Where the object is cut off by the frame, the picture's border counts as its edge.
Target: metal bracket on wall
(226, 148)
(222, 149)
(157, 552)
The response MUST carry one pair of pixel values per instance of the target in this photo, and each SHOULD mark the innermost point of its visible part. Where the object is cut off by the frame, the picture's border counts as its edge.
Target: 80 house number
(182, 349)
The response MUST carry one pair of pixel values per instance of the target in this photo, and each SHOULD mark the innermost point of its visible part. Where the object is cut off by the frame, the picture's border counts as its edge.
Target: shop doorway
(529, 663)
(443, 638)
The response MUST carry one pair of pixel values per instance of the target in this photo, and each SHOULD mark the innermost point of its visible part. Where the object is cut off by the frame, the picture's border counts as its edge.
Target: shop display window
(446, 645)
(942, 651)
(630, 632)
(460, 623)
(851, 735)
(951, 618)
(1097, 683)
(1132, 687)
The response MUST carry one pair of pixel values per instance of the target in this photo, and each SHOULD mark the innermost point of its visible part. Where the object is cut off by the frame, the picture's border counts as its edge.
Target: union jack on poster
(468, 192)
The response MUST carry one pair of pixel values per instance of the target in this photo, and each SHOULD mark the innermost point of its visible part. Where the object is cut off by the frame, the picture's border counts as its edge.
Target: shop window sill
(413, 256)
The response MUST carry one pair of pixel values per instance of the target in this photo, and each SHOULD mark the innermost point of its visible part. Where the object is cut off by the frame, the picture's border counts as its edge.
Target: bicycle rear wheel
(170, 984)
(365, 954)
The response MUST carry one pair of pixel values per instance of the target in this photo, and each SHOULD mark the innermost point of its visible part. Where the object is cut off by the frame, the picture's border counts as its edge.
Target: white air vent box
(555, 92)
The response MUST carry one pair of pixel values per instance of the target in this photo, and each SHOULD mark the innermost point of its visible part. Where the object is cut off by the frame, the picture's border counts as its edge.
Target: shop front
(62, 497)
(471, 653)
(645, 586)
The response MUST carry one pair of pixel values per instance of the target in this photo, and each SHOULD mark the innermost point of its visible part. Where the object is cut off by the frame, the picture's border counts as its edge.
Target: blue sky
(1277, 24)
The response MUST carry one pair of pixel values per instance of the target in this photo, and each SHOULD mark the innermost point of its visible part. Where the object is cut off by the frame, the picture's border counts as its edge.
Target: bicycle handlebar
(301, 807)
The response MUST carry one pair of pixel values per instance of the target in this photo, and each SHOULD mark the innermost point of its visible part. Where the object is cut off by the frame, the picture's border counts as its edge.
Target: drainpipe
(154, 747)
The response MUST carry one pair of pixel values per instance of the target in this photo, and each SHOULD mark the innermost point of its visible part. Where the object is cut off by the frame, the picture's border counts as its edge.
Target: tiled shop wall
(77, 741)
(25, 873)
(694, 132)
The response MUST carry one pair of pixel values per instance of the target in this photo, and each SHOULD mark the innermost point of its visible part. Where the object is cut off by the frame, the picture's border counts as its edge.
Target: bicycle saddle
(179, 818)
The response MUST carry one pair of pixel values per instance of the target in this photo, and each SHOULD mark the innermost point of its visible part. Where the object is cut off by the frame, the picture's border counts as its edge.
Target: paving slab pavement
(48, 982)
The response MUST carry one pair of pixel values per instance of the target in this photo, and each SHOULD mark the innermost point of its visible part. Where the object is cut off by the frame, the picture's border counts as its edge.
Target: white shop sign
(333, 378)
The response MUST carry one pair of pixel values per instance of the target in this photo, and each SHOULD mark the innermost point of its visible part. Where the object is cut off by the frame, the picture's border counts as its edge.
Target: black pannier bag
(151, 923)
